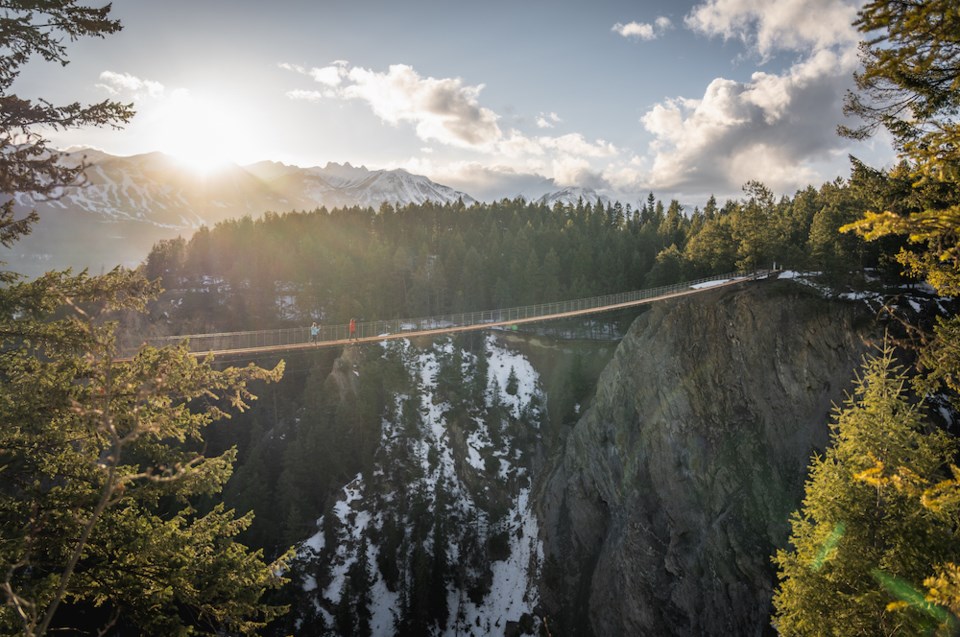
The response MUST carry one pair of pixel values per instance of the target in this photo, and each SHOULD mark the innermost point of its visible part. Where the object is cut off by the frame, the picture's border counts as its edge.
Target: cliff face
(674, 489)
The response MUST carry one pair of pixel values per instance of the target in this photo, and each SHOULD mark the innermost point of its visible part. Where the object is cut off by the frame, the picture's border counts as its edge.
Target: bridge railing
(214, 342)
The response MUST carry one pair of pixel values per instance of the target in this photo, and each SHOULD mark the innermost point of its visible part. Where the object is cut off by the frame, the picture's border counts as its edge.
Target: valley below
(509, 483)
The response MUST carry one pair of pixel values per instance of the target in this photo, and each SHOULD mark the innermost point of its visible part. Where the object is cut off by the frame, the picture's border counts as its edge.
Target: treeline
(421, 260)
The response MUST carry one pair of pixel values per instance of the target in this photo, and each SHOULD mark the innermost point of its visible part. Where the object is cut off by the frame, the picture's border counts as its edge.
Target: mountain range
(129, 203)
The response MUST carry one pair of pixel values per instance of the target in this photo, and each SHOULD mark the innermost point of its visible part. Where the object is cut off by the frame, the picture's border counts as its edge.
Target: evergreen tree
(439, 567)
(910, 86)
(713, 250)
(909, 82)
(667, 268)
(828, 249)
(513, 383)
(360, 576)
(353, 612)
(27, 164)
(861, 543)
(671, 228)
(753, 229)
(99, 456)
(166, 262)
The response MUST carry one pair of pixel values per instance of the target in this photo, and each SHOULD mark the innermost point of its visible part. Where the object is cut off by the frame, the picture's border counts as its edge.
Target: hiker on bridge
(353, 329)
(315, 333)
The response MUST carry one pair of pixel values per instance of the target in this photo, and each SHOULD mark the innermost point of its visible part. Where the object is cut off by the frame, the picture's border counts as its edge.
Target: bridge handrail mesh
(220, 341)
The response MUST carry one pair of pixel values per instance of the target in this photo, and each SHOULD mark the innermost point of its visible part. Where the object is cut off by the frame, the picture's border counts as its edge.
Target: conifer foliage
(28, 30)
(861, 542)
(101, 461)
(875, 545)
(910, 86)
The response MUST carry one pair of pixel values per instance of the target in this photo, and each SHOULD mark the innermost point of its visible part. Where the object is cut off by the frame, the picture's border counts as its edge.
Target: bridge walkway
(298, 338)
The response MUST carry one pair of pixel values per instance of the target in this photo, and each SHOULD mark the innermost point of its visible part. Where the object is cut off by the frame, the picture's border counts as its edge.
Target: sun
(200, 132)
(199, 158)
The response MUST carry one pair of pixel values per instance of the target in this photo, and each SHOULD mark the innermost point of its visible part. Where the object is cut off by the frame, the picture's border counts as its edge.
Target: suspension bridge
(299, 338)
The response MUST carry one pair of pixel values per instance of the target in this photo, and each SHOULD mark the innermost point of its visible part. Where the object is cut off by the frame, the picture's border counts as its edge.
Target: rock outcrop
(672, 492)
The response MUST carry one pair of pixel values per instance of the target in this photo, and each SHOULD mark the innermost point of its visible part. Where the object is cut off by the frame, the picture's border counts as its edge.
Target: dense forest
(432, 259)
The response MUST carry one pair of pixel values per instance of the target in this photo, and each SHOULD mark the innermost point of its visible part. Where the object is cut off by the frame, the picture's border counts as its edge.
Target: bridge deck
(298, 339)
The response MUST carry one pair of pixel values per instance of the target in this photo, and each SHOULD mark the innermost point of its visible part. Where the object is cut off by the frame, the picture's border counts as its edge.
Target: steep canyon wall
(662, 509)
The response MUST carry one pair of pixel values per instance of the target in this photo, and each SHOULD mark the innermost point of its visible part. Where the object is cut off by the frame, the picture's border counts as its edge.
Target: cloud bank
(773, 127)
(765, 129)
(448, 111)
(777, 126)
(795, 25)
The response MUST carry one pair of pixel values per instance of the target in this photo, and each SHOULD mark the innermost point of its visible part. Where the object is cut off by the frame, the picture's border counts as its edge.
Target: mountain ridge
(127, 204)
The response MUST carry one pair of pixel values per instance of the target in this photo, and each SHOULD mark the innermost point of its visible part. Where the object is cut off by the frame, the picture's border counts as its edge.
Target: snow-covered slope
(344, 185)
(446, 511)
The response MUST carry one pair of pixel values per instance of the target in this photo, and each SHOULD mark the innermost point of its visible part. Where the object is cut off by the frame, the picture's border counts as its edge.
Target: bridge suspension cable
(299, 338)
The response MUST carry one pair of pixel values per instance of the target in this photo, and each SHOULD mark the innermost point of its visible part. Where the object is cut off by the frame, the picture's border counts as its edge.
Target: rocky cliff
(662, 510)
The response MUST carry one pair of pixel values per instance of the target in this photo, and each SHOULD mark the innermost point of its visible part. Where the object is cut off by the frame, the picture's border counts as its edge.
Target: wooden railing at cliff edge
(298, 338)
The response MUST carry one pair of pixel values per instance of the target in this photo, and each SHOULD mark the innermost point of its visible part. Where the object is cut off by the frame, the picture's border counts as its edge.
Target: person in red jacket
(353, 329)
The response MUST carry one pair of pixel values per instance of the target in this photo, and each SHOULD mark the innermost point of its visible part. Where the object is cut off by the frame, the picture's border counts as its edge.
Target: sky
(495, 98)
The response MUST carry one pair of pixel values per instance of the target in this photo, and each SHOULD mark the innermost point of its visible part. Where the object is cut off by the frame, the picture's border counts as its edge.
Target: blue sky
(681, 98)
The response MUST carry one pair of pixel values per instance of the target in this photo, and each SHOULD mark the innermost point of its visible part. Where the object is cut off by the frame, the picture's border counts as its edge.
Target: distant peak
(81, 149)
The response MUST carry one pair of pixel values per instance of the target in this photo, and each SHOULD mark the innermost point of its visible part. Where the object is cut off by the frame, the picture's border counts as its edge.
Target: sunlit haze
(199, 132)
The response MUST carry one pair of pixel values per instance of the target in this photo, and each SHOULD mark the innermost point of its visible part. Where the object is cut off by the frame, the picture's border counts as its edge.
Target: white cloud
(129, 86)
(775, 127)
(643, 30)
(560, 157)
(444, 110)
(771, 128)
(639, 30)
(795, 25)
(576, 144)
(574, 171)
(329, 75)
(629, 176)
(517, 145)
(296, 68)
(308, 96)
(548, 120)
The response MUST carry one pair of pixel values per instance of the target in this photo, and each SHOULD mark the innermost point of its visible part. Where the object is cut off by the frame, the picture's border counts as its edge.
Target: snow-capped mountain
(130, 203)
(572, 194)
(343, 185)
(157, 189)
